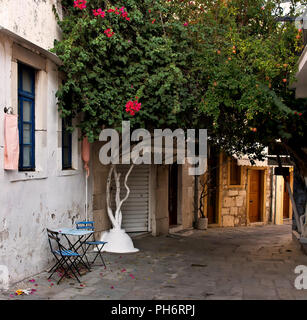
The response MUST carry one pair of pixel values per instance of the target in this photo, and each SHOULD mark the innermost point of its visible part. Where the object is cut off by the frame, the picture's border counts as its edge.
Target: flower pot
(202, 224)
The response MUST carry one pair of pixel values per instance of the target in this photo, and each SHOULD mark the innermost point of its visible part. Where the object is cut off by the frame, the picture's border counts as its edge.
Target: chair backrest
(86, 225)
(53, 236)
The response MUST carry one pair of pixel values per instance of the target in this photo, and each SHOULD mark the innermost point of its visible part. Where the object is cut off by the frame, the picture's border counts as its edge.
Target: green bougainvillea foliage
(222, 65)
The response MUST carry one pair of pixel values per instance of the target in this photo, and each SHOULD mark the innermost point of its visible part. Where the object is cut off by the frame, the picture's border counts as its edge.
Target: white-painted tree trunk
(118, 241)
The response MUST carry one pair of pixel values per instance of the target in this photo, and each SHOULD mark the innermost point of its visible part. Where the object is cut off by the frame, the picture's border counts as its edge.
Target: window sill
(68, 172)
(15, 176)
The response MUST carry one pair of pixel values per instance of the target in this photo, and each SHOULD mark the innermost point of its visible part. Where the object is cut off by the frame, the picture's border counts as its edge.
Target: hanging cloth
(11, 142)
(86, 155)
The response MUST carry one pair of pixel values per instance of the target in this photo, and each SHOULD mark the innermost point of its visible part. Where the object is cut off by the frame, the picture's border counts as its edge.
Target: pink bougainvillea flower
(132, 276)
(32, 280)
(185, 24)
(133, 106)
(95, 13)
(108, 33)
(124, 270)
(101, 13)
(112, 287)
(81, 4)
(153, 21)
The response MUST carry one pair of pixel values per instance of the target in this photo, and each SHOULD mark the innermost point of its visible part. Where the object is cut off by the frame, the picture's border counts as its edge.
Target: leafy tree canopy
(222, 65)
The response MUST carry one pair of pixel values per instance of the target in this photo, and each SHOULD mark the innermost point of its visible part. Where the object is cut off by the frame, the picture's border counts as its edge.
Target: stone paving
(229, 263)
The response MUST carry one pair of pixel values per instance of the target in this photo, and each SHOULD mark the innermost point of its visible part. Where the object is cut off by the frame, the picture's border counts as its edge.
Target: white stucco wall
(31, 19)
(49, 197)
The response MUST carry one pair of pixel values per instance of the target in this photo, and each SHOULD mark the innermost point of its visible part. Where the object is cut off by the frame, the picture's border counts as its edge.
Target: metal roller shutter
(136, 209)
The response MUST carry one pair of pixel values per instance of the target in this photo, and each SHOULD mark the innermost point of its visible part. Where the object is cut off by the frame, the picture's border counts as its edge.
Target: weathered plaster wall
(31, 19)
(186, 197)
(162, 190)
(48, 197)
(100, 176)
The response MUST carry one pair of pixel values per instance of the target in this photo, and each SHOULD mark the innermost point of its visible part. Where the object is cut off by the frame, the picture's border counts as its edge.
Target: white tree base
(118, 241)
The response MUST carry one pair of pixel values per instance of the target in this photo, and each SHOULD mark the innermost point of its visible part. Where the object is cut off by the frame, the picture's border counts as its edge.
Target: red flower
(81, 4)
(153, 21)
(133, 106)
(108, 33)
(99, 12)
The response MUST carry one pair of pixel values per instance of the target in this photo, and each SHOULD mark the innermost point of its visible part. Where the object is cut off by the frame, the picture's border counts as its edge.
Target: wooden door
(255, 196)
(173, 194)
(286, 201)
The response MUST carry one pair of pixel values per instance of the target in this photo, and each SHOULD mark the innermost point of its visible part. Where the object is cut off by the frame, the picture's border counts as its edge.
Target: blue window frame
(26, 119)
(66, 145)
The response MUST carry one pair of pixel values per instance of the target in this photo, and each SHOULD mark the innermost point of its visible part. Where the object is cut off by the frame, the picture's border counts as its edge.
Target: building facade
(48, 189)
(240, 193)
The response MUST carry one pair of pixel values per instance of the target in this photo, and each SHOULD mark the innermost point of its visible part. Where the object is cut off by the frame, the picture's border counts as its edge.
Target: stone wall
(233, 200)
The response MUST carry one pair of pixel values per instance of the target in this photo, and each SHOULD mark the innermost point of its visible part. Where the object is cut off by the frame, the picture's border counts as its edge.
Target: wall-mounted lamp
(8, 110)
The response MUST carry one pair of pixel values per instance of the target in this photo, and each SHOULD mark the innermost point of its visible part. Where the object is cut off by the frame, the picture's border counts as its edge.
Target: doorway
(173, 194)
(213, 185)
(255, 196)
(286, 201)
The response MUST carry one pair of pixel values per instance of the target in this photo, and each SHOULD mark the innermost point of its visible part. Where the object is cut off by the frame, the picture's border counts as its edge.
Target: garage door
(136, 209)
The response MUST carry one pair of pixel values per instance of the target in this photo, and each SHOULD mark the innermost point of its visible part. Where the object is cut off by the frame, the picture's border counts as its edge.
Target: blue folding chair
(65, 258)
(89, 225)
